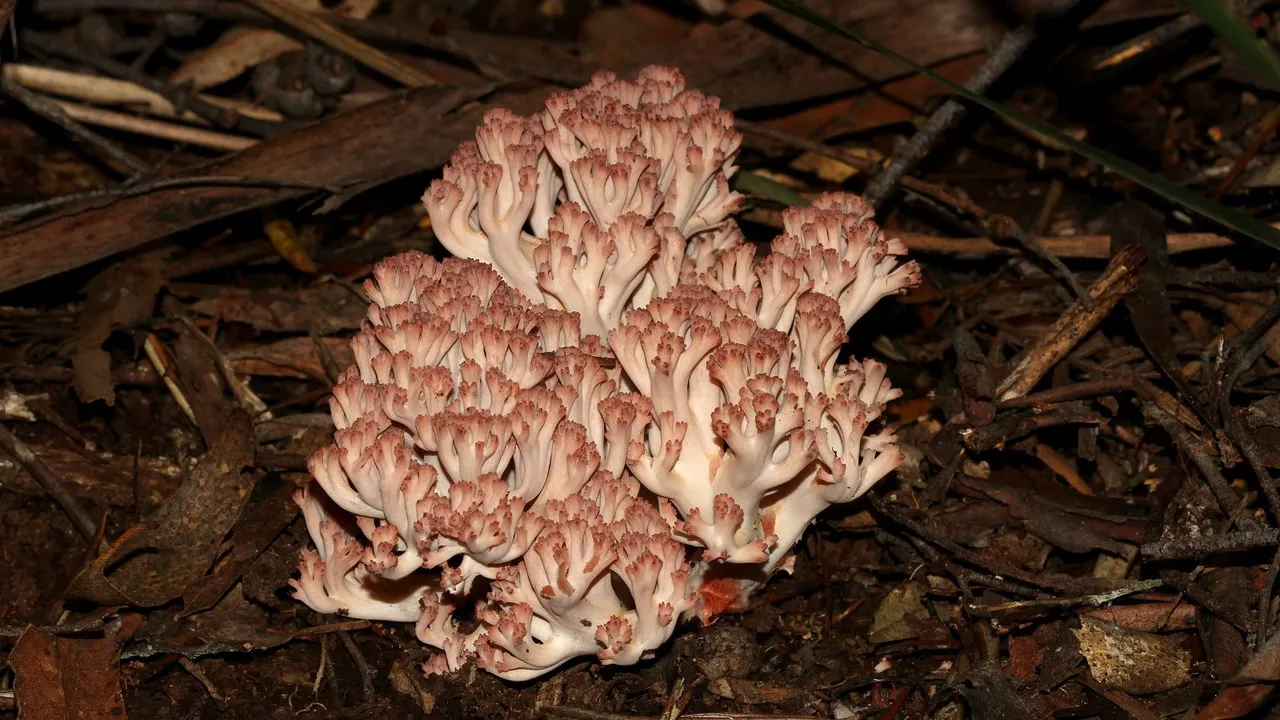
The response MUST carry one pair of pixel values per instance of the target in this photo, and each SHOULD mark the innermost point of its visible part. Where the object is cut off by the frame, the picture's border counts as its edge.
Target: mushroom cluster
(605, 413)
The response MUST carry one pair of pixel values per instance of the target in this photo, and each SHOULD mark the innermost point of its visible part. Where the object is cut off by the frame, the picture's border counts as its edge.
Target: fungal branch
(605, 413)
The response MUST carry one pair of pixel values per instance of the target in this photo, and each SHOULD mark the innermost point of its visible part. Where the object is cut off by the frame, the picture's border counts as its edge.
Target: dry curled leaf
(120, 296)
(71, 678)
(1135, 662)
(154, 561)
(325, 308)
(242, 48)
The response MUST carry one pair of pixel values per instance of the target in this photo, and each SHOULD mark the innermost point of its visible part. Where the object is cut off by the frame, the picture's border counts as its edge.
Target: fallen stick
(409, 132)
(154, 128)
(99, 90)
(1070, 246)
(49, 109)
(1118, 279)
(363, 53)
(52, 484)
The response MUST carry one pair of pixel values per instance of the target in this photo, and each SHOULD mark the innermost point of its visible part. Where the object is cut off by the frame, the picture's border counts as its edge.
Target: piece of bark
(407, 133)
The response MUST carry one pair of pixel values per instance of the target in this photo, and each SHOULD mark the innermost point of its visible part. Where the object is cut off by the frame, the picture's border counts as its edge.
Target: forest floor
(1086, 523)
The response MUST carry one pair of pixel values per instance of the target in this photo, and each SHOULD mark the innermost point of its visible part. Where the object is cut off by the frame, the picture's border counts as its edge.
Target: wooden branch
(317, 28)
(1119, 279)
(200, 137)
(1071, 246)
(98, 90)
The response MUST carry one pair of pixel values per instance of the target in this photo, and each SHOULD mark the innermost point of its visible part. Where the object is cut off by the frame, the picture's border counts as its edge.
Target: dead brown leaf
(751, 692)
(292, 357)
(71, 678)
(1250, 688)
(894, 102)
(325, 309)
(201, 382)
(154, 561)
(236, 620)
(1244, 314)
(120, 296)
(899, 615)
(265, 517)
(1135, 662)
(612, 34)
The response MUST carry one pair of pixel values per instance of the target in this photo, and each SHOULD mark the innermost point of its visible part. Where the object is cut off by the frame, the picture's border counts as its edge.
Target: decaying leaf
(236, 620)
(1246, 313)
(120, 296)
(751, 692)
(325, 309)
(13, 406)
(293, 357)
(899, 615)
(242, 48)
(66, 678)
(1250, 688)
(284, 236)
(406, 678)
(154, 561)
(1135, 662)
(267, 515)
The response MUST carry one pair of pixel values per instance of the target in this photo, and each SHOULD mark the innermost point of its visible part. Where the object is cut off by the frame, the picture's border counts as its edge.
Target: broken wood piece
(1063, 467)
(108, 482)
(155, 128)
(1118, 278)
(322, 31)
(52, 484)
(50, 110)
(99, 90)
(1067, 246)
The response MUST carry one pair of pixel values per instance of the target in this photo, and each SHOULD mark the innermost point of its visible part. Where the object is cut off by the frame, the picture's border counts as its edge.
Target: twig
(155, 128)
(1267, 131)
(163, 364)
(1096, 247)
(148, 649)
(54, 112)
(1152, 39)
(1075, 391)
(459, 44)
(1006, 52)
(997, 226)
(135, 189)
(1118, 279)
(362, 666)
(990, 564)
(324, 662)
(51, 483)
(190, 666)
(219, 112)
(73, 628)
(247, 399)
(322, 31)
(1198, 450)
(1094, 600)
(573, 713)
(1186, 547)
(331, 628)
(99, 90)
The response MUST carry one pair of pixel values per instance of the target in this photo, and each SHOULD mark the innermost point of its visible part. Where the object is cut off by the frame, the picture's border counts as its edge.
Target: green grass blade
(1171, 191)
(753, 184)
(1237, 35)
